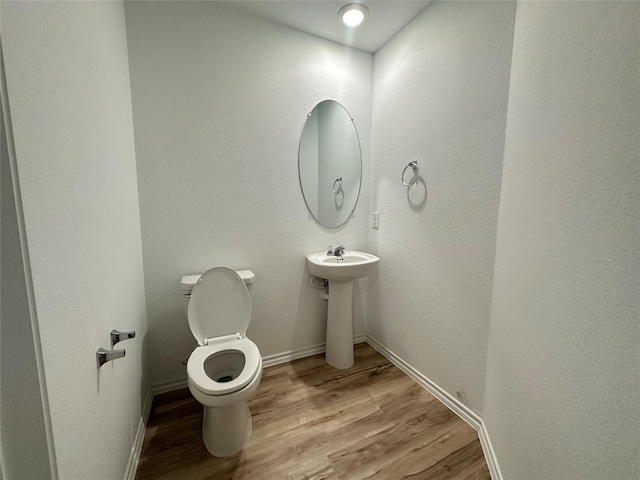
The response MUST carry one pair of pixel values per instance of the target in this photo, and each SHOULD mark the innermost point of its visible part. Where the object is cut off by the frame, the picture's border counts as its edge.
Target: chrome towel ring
(338, 182)
(414, 167)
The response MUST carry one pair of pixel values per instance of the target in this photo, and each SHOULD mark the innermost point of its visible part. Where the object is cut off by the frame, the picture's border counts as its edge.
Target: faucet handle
(330, 250)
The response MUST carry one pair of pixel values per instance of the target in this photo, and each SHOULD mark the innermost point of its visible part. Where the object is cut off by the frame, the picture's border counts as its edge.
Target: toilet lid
(220, 305)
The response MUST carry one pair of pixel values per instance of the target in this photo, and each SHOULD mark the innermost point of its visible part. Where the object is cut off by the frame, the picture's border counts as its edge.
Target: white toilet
(226, 367)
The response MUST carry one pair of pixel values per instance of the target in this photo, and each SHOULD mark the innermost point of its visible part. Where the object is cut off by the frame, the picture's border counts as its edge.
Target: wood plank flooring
(311, 421)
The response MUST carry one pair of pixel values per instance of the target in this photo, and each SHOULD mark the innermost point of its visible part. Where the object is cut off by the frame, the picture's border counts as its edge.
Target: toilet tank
(189, 281)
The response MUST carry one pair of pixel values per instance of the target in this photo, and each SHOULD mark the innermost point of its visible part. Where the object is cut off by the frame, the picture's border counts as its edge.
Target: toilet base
(226, 430)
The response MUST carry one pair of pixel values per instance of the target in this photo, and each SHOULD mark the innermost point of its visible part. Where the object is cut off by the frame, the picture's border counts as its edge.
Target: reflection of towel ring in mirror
(414, 167)
(337, 189)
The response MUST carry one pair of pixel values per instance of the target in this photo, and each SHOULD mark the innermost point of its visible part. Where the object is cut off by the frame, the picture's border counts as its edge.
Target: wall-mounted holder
(117, 336)
(337, 186)
(414, 167)
(103, 356)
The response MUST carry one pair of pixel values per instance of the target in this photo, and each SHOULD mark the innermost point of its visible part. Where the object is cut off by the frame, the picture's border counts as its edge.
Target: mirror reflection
(329, 164)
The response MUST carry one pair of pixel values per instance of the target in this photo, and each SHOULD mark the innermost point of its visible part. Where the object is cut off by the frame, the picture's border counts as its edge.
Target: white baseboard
(166, 387)
(291, 355)
(457, 407)
(136, 448)
(270, 360)
(489, 453)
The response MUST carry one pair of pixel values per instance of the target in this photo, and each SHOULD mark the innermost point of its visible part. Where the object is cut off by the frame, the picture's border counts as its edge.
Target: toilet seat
(204, 383)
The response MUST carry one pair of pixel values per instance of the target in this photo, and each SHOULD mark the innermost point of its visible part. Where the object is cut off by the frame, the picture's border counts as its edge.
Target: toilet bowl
(226, 367)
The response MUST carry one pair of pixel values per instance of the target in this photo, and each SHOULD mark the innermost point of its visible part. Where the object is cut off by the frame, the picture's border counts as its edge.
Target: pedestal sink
(341, 271)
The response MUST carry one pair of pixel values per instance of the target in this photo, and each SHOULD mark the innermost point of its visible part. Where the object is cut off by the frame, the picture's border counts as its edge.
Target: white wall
(563, 379)
(219, 101)
(68, 83)
(440, 96)
(23, 404)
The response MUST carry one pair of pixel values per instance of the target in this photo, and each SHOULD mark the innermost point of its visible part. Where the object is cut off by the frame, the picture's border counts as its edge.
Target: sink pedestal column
(339, 353)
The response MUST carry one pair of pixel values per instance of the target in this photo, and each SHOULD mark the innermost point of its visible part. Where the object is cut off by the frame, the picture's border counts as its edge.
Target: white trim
(452, 403)
(489, 453)
(270, 360)
(26, 261)
(160, 388)
(457, 407)
(3, 474)
(136, 448)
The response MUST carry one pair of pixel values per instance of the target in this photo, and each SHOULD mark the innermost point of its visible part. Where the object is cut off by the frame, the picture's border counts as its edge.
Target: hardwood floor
(311, 421)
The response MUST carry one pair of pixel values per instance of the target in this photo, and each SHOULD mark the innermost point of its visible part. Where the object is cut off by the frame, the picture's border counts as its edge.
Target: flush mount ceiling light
(353, 14)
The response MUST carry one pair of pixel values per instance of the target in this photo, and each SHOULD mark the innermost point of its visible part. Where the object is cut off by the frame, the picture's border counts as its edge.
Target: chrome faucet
(103, 356)
(338, 251)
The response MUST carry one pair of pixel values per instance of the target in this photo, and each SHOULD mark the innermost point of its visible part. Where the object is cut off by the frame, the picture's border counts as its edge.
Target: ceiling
(320, 18)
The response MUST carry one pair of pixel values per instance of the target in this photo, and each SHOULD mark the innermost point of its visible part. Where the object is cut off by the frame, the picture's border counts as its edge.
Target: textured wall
(563, 380)
(68, 81)
(440, 96)
(22, 416)
(219, 101)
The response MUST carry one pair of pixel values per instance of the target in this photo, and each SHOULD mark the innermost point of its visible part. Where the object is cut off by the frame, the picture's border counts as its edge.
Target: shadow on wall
(161, 357)
(360, 289)
(417, 194)
(311, 313)
(373, 300)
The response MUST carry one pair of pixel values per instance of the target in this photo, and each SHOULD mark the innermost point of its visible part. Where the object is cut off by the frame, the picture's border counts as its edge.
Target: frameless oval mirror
(329, 164)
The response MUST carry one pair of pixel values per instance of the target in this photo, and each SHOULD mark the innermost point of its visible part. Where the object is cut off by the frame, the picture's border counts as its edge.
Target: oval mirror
(329, 164)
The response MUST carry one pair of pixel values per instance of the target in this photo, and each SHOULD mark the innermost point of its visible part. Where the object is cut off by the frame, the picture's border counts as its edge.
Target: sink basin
(350, 266)
(341, 272)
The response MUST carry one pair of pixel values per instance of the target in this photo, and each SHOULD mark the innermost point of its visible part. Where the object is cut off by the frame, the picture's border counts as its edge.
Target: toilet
(226, 367)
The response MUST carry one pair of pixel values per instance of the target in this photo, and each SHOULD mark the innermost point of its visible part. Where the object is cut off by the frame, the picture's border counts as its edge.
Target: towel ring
(414, 167)
(336, 190)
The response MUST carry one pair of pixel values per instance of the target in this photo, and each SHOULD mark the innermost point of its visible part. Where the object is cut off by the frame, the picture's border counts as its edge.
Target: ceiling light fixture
(353, 14)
